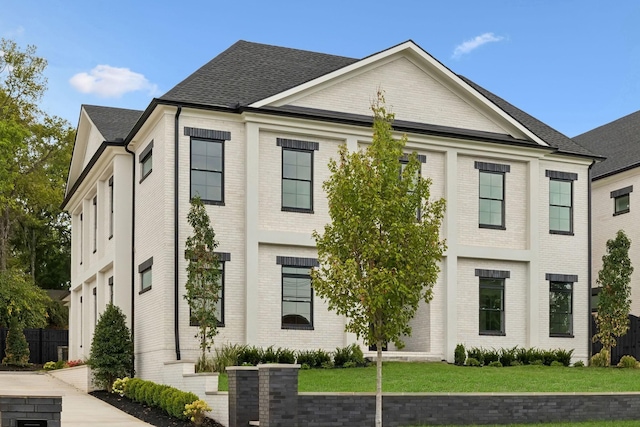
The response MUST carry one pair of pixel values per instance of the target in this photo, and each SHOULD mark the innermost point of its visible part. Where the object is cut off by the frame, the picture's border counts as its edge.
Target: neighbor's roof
(618, 141)
(113, 123)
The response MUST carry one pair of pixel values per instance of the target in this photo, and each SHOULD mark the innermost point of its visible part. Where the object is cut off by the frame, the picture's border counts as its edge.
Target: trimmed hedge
(514, 356)
(165, 397)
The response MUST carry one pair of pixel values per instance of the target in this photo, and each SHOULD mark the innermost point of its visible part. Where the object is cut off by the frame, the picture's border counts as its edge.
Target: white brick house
(613, 200)
(226, 131)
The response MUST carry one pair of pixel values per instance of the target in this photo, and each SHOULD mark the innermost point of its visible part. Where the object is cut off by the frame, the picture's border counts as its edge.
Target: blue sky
(574, 64)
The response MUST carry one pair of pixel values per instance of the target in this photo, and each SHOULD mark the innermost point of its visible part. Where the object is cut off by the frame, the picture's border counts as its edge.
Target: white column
(533, 329)
(251, 230)
(450, 267)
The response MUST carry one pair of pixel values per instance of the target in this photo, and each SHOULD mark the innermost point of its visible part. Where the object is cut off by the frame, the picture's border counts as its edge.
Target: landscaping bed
(154, 416)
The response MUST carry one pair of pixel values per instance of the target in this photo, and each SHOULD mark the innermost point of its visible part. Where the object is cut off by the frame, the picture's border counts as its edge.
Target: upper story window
(297, 292)
(146, 161)
(81, 238)
(95, 224)
(561, 304)
(621, 200)
(404, 161)
(491, 210)
(207, 164)
(145, 270)
(111, 207)
(491, 308)
(561, 201)
(297, 174)
(111, 290)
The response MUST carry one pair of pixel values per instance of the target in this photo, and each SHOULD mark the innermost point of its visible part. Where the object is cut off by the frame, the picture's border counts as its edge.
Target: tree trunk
(379, 384)
(608, 349)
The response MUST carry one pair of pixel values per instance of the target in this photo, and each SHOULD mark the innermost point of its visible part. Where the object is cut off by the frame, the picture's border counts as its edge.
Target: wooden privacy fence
(43, 343)
(628, 344)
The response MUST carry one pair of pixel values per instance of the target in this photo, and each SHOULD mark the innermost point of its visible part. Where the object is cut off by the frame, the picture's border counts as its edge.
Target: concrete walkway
(78, 408)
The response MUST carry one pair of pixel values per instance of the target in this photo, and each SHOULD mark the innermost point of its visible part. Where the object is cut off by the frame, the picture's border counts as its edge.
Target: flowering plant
(196, 410)
(72, 363)
(119, 386)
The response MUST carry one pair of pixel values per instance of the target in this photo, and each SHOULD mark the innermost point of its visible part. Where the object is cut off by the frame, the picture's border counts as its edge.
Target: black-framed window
(111, 289)
(595, 298)
(404, 161)
(94, 291)
(491, 306)
(297, 298)
(219, 304)
(95, 224)
(621, 200)
(145, 271)
(297, 174)
(110, 207)
(207, 170)
(81, 238)
(561, 201)
(146, 161)
(491, 207)
(560, 309)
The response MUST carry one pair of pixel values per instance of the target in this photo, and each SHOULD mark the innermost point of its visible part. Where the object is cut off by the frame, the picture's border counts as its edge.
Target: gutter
(589, 261)
(133, 252)
(176, 293)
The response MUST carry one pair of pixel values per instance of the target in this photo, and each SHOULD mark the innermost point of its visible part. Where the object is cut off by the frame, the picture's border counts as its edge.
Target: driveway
(78, 408)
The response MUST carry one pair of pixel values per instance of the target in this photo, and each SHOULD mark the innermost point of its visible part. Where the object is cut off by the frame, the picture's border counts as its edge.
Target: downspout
(176, 293)
(589, 263)
(133, 252)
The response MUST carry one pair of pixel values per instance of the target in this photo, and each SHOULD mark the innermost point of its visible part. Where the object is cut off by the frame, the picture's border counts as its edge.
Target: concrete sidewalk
(78, 408)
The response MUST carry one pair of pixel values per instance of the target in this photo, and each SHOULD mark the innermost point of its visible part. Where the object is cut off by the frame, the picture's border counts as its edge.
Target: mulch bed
(154, 416)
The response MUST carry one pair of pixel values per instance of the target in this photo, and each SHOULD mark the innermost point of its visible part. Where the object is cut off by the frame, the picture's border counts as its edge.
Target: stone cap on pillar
(241, 368)
(279, 366)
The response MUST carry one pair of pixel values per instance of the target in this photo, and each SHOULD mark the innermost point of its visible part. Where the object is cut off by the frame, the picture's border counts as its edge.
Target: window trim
(222, 268)
(221, 172)
(562, 232)
(295, 262)
(300, 146)
(622, 192)
(142, 269)
(503, 226)
(146, 155)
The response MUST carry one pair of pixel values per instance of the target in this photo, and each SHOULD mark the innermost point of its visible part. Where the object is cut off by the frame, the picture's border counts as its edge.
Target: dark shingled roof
(549, 135)
(618, 141)
(248, 72)
(112, 122)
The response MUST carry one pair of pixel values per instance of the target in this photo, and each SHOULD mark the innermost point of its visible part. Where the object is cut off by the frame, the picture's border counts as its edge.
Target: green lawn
(445, 378)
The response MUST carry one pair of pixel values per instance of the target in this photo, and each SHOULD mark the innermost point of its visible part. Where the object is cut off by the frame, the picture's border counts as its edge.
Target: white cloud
(111, 82)
(475, 43)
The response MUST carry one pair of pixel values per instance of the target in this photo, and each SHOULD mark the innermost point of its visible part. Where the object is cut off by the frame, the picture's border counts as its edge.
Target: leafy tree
(35, 150)
(612, 318)
(203, 276)
(111, 349)
(22, 304)
(377, 260)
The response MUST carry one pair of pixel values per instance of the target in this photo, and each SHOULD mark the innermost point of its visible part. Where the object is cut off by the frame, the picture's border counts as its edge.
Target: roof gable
(618, 141)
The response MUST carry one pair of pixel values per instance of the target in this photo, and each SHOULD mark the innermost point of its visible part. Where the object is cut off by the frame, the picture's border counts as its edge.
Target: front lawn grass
(444, 378)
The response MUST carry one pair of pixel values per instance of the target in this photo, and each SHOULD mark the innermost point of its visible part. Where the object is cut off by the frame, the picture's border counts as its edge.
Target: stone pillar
(243, 395)
(34, 408)
(278, 395)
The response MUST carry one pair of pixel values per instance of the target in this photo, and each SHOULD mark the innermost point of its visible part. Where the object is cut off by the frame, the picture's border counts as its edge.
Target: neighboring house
(252, 132)
(612, 184)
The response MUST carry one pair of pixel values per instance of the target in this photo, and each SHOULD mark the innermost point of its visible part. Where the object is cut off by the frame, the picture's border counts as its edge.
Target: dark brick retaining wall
(14, 408)
(280, 404)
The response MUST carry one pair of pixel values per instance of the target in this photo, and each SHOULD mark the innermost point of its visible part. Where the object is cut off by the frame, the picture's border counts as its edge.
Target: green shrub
(305, 357)
(227, 355)
(495, 364)
(327, 365)
(538, 362)
(472, 361)
(269, 355)
(508, 356)
(548, 357)
(17, 347)
(564, 356)
(459, 355)
(628, 362)
(600, 360)
(579, 364)
(527, 356)
(305, 366)
(111, 348)
(351, 354)
(285, 355)
(61, 364)
(555, 363)
(477, 354)
(250, 356)
(49, 366)
(169, 399)
(515, 363)
(491, 356)
(132, 386)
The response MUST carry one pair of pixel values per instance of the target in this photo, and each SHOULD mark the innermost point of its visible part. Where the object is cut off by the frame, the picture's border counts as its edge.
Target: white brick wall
(430, 100)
